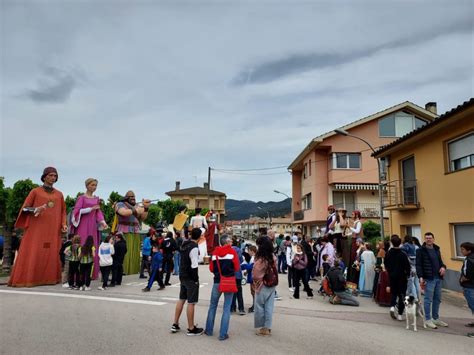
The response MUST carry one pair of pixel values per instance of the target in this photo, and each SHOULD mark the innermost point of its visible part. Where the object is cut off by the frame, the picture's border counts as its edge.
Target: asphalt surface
(123, 320)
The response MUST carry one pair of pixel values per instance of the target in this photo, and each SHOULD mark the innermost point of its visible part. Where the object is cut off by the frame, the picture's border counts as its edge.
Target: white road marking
(97, 298)
(168, 299)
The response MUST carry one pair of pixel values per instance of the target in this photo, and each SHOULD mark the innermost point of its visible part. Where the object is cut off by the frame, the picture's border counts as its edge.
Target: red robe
(38, 260)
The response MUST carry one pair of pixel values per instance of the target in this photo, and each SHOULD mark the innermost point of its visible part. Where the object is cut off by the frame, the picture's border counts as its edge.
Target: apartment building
(338, 170)
(430, 184)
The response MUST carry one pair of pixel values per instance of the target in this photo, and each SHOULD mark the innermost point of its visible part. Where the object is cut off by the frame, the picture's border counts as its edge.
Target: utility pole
(209, 192)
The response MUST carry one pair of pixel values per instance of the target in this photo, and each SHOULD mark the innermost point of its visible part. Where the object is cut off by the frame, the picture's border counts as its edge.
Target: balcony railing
(401, 195)
(367, 210)
(298, 215)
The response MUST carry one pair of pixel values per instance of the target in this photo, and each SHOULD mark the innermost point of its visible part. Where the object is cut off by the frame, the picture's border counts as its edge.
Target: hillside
(236, 209)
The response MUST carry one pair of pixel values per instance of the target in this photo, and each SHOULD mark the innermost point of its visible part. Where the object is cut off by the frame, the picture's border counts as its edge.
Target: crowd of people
(339, 259)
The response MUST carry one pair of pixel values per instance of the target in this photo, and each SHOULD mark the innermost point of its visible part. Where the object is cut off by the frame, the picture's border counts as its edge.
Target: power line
(330, 158)
(249, 174)
(256, 169)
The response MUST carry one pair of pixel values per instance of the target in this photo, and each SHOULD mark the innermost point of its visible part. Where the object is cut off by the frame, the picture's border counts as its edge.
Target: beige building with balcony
(338, 170)
(430, 184)
(200, 197)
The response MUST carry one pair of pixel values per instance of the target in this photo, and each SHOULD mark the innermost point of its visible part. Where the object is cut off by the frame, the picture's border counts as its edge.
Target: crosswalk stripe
(96, 298)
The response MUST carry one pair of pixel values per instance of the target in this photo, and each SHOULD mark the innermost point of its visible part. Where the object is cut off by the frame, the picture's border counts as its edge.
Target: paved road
(52, 320)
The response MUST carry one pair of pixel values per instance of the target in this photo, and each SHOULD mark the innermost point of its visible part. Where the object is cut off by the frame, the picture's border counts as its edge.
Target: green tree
(4, 192)
(154, 215)
(15, 199)
(169, 209)
(371, 232)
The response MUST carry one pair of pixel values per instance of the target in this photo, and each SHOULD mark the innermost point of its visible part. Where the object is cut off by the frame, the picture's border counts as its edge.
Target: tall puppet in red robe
(212, 242)
(43, 217)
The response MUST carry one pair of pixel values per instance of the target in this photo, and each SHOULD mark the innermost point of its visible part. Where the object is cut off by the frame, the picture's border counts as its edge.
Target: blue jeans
(211, 314)
(413, 288)
(281, 263)
(176, 259)
(432, 298)
(264, 302)
(469, 294)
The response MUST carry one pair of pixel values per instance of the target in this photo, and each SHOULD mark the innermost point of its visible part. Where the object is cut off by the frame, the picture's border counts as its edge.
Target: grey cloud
(55, 87)
(298, 63)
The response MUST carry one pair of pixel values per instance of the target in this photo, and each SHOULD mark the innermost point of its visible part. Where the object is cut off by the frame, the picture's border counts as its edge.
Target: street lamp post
(345, 133)
(291, 215)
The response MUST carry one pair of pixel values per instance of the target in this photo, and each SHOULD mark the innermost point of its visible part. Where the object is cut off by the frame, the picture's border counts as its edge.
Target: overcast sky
(141, 94)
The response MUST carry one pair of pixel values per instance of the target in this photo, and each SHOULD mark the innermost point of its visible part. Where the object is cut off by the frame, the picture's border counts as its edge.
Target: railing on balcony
(298, 215)
(367, 210)
(401, 194)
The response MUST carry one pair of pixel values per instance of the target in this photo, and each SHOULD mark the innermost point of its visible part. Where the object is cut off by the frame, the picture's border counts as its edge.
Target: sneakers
(71, 288)
(225, 337)
(291, 289)
(309, 297)
(175, 328)
(87, 288)
(399, 317)
(440, 323)
(278, 298)
(101, 288)
(66, 285)
(430, 324)
(392, 313)
(195, 331)
(142, 277)
(167, 284)
(146, 289)
(161, 288)
(82, 288)
(242, 313)
(251, 310)
(470, 335)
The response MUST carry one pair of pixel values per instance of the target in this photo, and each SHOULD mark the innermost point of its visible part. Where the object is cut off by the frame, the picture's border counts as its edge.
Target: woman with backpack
(265, 279)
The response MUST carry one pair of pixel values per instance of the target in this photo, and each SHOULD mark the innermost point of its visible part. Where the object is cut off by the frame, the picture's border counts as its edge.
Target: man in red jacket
(224, 262)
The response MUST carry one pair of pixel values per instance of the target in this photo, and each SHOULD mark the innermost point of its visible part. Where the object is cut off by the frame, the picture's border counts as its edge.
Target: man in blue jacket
(431, 269)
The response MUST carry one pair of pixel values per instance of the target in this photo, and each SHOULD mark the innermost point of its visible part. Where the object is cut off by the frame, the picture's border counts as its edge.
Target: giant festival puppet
(43, 217)
(87, 219)
(129, 216)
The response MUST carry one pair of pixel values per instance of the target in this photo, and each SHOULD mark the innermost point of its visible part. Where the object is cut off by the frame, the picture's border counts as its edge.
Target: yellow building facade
(431, 184)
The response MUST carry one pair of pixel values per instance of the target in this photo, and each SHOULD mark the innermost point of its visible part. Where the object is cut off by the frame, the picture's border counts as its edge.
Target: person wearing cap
(43, 217)
(87, 219)
(130, 215)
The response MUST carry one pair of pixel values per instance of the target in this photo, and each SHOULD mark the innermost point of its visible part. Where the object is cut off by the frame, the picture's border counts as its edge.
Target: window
(461, 153)
(307, 204)
(344, 200)
(346, 161)
(310, 167)
(399, 124)
(305, 172)
(413, 231)
(462, 233)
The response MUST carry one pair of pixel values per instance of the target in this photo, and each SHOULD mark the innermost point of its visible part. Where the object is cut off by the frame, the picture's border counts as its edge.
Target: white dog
(412, 309)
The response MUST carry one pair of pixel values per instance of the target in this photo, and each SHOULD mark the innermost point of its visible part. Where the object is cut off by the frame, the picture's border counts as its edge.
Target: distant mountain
(237, 210)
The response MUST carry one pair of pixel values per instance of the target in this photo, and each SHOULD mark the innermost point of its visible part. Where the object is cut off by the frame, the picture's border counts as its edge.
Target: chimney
(431, 106)
(206, 186)
(177, 186)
